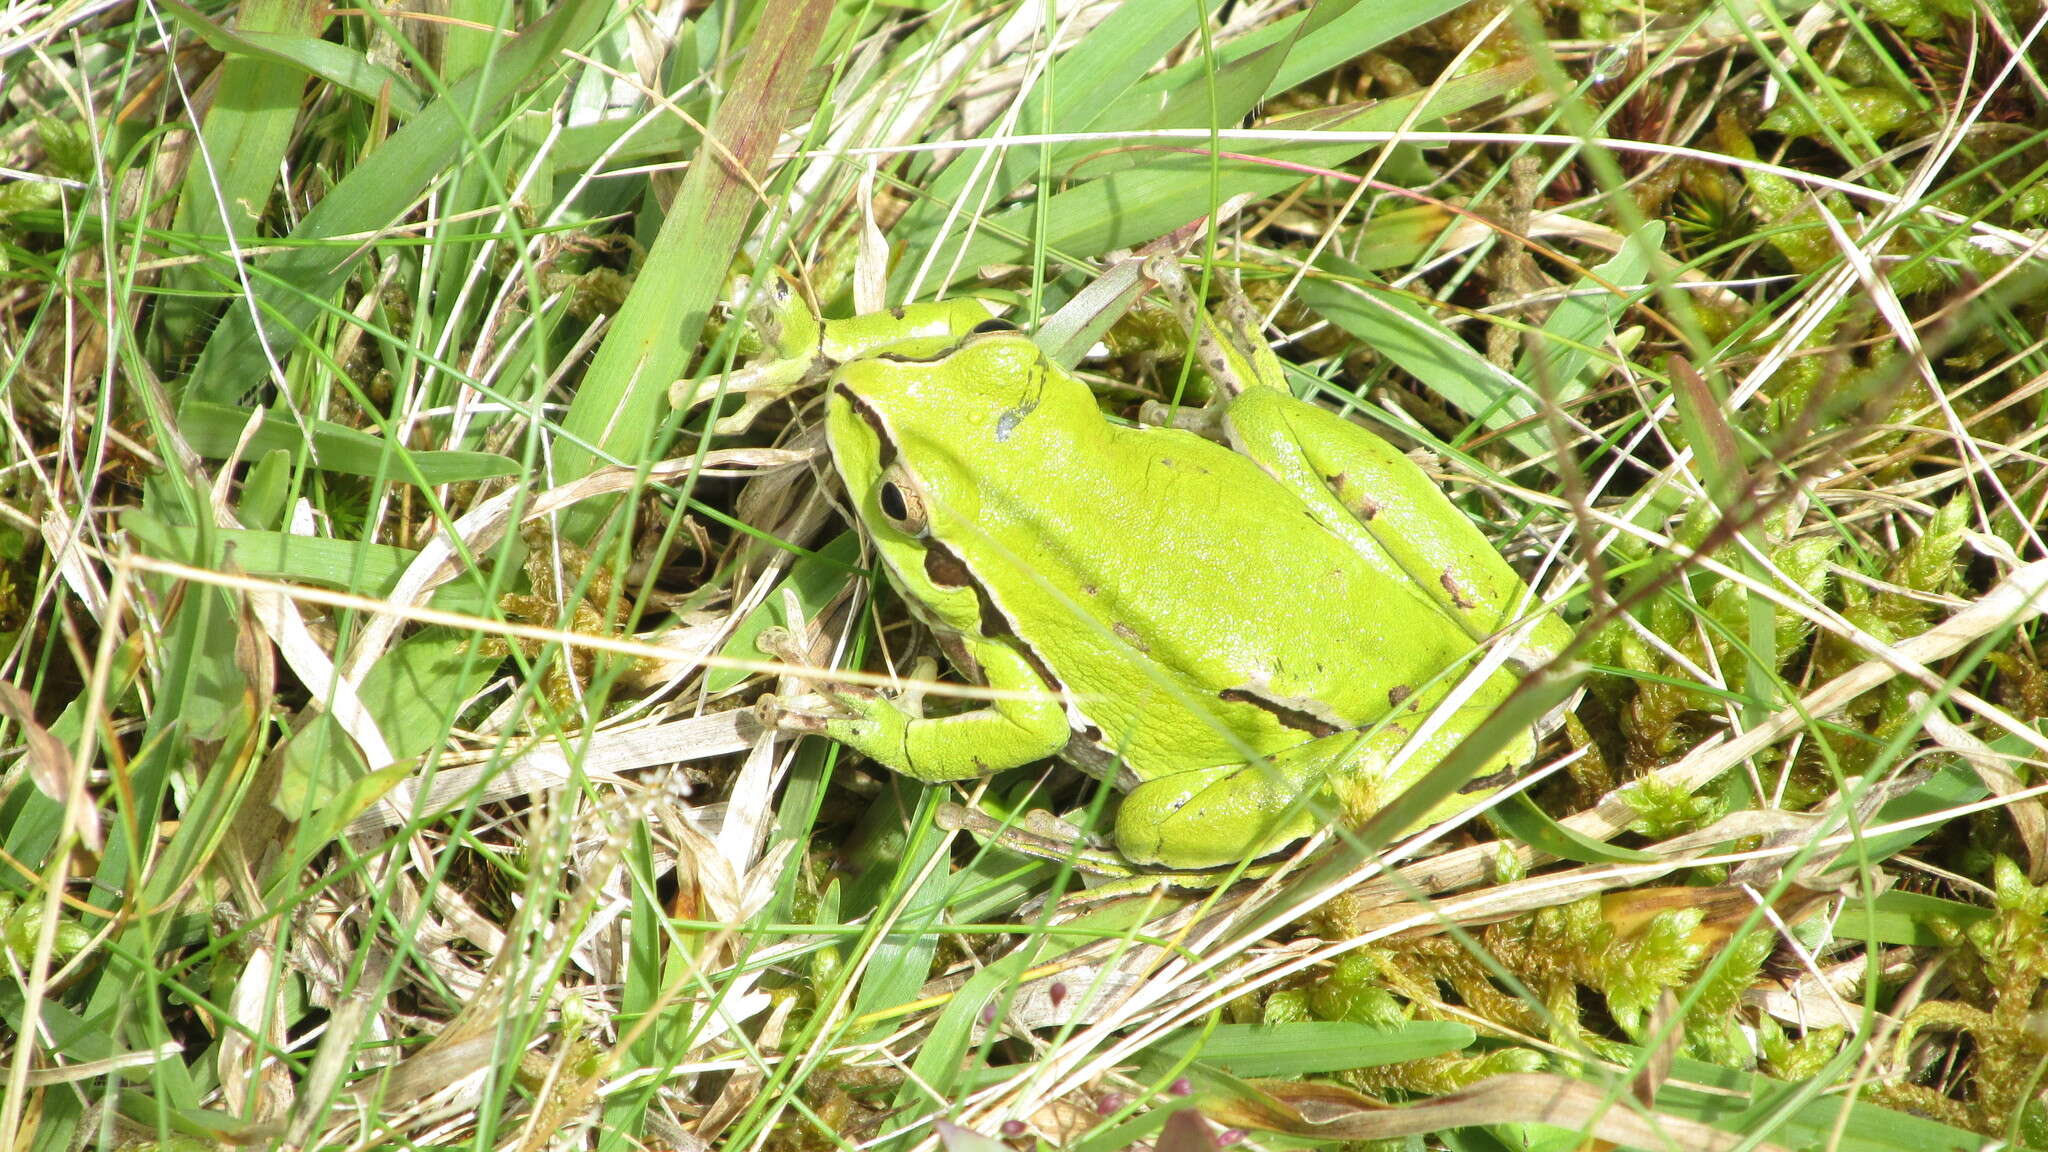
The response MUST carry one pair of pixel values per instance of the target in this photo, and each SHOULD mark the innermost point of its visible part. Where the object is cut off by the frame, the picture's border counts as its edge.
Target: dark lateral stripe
(904, 358)
(873, 419)
(1294, 718)
(1488, 782)
(947, 570)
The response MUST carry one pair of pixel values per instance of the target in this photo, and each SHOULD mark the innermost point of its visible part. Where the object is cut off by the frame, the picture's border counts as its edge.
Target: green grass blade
(215, 430)
(1127, 208)
(1312, 1047)
(625, 393)
(328, 243)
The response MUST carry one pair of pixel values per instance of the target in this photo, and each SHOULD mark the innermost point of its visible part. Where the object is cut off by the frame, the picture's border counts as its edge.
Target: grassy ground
(379, 646)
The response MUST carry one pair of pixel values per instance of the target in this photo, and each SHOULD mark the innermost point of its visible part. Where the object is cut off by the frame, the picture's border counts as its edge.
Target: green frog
(1242, 629)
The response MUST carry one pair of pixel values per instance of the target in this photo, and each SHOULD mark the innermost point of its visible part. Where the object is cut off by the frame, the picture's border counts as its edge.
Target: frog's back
(1186, 582)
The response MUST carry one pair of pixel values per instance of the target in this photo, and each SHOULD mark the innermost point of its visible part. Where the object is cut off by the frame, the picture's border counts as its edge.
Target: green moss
(1664, 811)
(1353, 991)
(1918, 19)
(1288, 1006)
(1877, 112)
(1797, 1059)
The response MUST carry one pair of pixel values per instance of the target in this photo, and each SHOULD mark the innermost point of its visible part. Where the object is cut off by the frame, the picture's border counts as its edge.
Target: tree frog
(1226, 629)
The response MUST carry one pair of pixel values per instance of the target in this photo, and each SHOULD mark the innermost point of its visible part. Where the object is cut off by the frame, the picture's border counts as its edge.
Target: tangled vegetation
(405, 519)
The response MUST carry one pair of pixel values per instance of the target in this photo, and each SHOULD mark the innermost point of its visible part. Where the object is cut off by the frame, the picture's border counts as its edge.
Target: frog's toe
(1212, 817)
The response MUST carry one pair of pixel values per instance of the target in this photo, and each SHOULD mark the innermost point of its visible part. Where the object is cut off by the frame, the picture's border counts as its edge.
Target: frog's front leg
(1009, 732)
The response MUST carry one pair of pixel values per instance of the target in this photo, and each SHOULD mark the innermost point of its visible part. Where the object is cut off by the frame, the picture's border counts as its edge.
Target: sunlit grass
(379, 649)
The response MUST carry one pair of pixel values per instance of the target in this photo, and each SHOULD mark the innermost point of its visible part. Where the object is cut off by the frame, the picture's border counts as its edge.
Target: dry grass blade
(656, 328)
(50, 764)
(1530, 1098)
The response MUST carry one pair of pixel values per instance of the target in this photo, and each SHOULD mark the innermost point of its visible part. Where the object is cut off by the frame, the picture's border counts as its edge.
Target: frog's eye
(902, 504)
(993, 324)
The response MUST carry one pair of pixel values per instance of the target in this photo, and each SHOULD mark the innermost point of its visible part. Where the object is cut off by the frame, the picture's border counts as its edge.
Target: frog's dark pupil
(891, 498)
(995, 324)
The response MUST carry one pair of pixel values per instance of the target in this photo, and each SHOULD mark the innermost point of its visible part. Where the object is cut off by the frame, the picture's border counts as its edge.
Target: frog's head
(921, 432)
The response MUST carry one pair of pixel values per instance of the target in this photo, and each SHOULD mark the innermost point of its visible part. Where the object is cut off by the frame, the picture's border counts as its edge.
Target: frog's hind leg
(1368, 493)
(1216, 817)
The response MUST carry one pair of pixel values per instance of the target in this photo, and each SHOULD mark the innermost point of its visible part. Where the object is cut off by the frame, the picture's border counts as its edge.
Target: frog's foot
(1204, 422)
(1215, 817)
(860, 718)
(1109, 875)
(1227, 342)
(1022, 726)
(760, 383)
(1035, 833)
(834, 707)
(789, 335)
